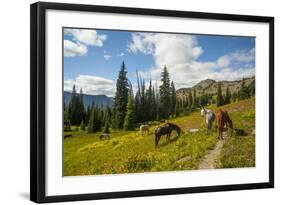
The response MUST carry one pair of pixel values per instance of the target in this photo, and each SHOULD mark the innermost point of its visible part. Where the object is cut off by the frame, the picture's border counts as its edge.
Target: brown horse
(223, 121)
(166, 129)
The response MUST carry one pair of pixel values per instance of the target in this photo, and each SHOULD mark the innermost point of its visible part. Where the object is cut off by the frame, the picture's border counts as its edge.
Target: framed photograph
(129, 102)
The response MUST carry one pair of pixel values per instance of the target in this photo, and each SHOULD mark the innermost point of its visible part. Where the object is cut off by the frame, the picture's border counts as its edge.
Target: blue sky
(92, 58)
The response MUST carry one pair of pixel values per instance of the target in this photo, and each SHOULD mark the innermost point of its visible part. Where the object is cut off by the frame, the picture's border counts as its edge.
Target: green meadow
(130, 152)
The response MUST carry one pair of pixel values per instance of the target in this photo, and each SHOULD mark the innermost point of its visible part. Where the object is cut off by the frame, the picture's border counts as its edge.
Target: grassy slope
(128, 152)
(239, 151)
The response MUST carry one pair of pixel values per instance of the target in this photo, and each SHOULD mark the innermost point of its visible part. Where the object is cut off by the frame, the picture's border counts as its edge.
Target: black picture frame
(38, 103)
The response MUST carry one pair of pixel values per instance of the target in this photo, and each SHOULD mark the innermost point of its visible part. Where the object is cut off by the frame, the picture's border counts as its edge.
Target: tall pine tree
(143, 101)
(106, 123)
(137, 107)
(121, 98)
(129, 123)
(194, 98)
(98, 118)
(88, 114)
(81, 106)
(227, 96)
(244, 92)
(153, 105)
(149, 99)
(173, 99)
(74, 108)
(165, 92)
(91, 128)
(219, 96)
(190, 99)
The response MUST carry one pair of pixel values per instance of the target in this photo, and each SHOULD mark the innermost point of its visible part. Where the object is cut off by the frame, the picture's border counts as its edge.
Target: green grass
(239, 151)
(128, 152)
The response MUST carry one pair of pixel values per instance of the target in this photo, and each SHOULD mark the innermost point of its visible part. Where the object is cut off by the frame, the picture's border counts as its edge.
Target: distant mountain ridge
(88, 99)
(210, 86)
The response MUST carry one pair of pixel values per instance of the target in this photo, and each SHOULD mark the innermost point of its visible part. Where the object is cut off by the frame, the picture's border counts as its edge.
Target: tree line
(148, 103)
(244, 92)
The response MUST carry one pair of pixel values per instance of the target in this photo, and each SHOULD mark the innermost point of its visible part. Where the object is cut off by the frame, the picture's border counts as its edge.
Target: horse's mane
(173, 125)
(208, 110)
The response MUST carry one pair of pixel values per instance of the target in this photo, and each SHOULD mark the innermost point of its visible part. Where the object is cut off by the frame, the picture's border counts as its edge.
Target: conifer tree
(227, 96)
(138, 100)
(190, 100)
(165, 93)
(153, 105)
(97, 118)
(252, 88)
(81, 109)
(173, 99)
(149, 99)
(106, 124)
(203, 100)
(137, 107)
(88, 113)
(186, 101)
(129, 123)
(108, 115)
(141, 105)
(143, 101)
(95, 121)
(194, 98)
(244, 92)
(82, 125)
(219, 96)
(74, 108)
(91, 128)
(121, 98)
(157, 102)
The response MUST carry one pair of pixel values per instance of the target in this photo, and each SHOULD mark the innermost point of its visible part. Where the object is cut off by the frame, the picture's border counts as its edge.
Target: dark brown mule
(223, 121)
(166, 129)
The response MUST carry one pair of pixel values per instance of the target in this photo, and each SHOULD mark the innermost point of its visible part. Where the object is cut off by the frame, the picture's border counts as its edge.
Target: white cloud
(87, 36)
(230, 74)
(142, 42)
(223, 61)
(238, 56)
(72, 49)
(107, 56)
(180, 53)
(161, 45)
(121, 54)
(92, 85)
(81, 39)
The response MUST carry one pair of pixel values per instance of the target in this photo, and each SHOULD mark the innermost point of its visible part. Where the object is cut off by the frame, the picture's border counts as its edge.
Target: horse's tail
(156, 139)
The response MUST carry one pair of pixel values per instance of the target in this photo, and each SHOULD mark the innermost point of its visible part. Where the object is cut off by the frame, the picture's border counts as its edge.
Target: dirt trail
(211, 160)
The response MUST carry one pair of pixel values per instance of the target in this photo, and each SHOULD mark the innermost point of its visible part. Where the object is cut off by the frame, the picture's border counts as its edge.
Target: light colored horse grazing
(209, 116)
(144, 129)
